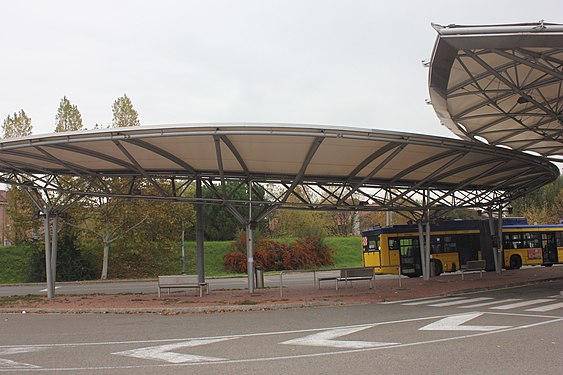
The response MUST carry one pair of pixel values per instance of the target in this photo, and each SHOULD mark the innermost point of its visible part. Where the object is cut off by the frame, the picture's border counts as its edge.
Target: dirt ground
(270, 298)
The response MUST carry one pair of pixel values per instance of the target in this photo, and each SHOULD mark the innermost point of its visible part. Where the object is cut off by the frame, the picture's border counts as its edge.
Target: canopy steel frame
(502, 84)
(295, 166)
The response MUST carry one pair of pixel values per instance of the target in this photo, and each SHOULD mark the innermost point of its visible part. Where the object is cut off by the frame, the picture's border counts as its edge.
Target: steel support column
(250, 257)
(48, 267)
(54, 248)
(499, 253)
(427, 255)
(199, 250)
(422, 248)
(493, 241)
(250, 243)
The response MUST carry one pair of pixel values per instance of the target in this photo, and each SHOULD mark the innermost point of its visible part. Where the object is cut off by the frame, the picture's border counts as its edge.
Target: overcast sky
(346, 63)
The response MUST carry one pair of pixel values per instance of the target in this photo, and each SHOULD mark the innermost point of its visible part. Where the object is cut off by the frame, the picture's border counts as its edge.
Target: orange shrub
(269, 255)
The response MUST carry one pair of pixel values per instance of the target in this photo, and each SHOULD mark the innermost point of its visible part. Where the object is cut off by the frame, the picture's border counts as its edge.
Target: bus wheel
(515, 262)
(412, 275)
(548, 265)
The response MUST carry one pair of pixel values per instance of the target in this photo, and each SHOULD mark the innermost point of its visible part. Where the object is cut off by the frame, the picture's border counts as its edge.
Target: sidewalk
(269, 298)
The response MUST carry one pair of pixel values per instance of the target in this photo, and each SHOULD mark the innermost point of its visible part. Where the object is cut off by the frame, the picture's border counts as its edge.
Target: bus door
(549, 248)
(372, 254)
(411, 264)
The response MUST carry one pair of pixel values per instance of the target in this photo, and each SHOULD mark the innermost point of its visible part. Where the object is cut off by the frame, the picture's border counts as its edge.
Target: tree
(22, 213)
(220, 224)
(21, 209)
(68, 117)
(17, 126)
(107, 218)
(542, 206)
(124, 114)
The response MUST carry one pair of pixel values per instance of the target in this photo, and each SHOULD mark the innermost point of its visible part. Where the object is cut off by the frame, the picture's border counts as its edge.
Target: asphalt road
(513, 331)
(142, 286)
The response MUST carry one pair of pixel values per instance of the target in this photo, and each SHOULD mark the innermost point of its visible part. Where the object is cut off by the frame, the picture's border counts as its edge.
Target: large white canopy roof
(322, 167)
(501, 84)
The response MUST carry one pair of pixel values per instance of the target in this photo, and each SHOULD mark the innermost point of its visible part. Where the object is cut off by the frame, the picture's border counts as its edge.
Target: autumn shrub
(269, 255)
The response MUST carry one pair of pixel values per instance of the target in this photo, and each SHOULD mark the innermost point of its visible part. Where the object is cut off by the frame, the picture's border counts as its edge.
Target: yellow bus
(454, 242)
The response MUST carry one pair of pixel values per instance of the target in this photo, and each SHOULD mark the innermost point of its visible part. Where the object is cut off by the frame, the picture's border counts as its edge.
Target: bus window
(436, 244)
(450, 244)
(373, 244)
(531, 240)
(409, 246)
(394, 244)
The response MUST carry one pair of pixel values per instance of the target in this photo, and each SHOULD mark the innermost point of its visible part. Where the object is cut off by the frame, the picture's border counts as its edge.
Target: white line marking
(432, 301)
(490, 303)
(259, 334)
(545, 308)
(454, 323)
(44, 290)
(553, 319)
(326, 339)
(444, 304)
(521, 304)
(164, 352)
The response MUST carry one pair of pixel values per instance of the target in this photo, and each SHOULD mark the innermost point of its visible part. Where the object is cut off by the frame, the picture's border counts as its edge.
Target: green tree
(124, 114)
(17, 126)
(21, 209)
(23, 221)
(219, 223)
(542, 206)
(68, 117)
(107, 218)
(72, 265)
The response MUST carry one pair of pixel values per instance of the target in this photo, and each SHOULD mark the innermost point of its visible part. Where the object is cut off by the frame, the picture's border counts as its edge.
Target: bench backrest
(176, 280)
(475, 264)
(357, 272)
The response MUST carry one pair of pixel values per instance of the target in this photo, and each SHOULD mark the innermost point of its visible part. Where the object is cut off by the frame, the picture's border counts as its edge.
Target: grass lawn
(13, 264)
(347, 253)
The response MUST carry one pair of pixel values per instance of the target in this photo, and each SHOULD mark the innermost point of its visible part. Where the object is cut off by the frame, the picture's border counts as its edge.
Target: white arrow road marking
(164, 352)
(454, 323)
(326, 339)
(12, 365)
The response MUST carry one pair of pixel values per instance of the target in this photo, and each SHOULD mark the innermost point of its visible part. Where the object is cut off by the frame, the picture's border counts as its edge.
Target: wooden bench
(473, 265)
(356, 274)
(181, 282)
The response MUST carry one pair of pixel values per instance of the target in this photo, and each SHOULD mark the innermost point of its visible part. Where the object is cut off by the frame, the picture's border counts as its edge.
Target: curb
(248, 308)
(173, 310)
